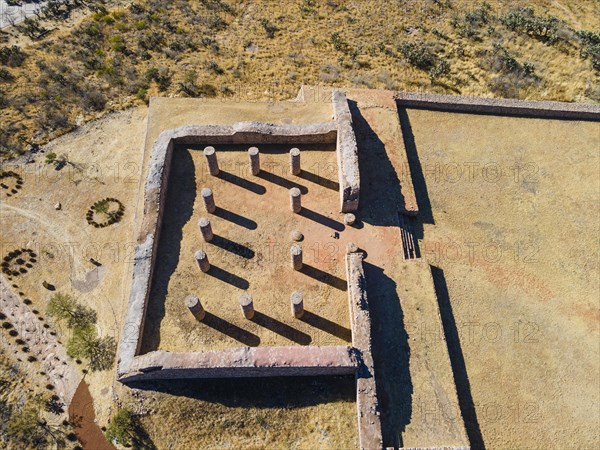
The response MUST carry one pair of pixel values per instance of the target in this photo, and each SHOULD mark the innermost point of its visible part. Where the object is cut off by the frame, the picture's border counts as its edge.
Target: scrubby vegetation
(125, 429)
(122, 54)
(84, 341)
(25, 410)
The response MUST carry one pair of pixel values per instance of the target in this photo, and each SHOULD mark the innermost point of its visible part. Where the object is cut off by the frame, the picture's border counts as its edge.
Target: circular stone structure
(349, 219)
(296, 236)
(351, 247)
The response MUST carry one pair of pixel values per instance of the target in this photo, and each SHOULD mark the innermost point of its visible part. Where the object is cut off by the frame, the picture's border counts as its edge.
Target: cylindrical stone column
(202, 260)
(205, 229)
(351, 247)
(254, 156)
(211, 160)
(349, 219)
(296, 254)
(209, 200)
(193, 304)
(297, 304)
(247, 306)
(295, 200)
(295, 161)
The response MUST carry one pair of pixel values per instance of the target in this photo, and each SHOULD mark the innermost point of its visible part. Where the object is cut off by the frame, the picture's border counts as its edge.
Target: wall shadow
(416, 170)
(324, 277)
(178, 209)
(232, 217)
(457, 361)
(242, 182)
(269, 392)
(231, 330)
(228, 277)
(391, 355)
(314, 320)
(380, 189)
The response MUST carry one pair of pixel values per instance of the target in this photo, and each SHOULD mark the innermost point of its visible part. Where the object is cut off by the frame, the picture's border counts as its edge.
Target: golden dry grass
(228, 46)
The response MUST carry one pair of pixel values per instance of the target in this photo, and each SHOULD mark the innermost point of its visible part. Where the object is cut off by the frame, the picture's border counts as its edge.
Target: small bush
(524, 20)
(470, 24)
(12, 56)
(590, 47)
(419, 55)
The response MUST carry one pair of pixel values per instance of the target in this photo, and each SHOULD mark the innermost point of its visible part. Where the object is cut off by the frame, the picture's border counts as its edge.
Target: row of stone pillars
(254, 157)
(246, 305)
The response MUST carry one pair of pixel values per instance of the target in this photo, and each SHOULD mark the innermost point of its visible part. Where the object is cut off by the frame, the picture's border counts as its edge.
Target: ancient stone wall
(245, 362)
(527, 108)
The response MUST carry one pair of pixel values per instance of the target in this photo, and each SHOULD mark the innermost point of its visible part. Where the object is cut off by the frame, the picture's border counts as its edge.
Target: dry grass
(262, 50)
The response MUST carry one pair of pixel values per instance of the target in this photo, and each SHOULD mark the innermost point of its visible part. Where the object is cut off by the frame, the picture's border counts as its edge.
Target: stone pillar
(296, 253)
(297, 304)
(295, 200)
(254, 156)
(193, 304)
(205, 229)
(211, 160)
(351, 248)
(247, 306)
(209, 200)
(349, 219)
(202, 260)
(295, 161)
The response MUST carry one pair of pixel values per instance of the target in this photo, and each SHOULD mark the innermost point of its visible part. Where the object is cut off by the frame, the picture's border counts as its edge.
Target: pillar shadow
(242, 182)
(327, 326)
(457, 361)
(231, 330)
(228, 277)
(233, 247)
(281, 328)
(235, 218)
(324, 277)
(317, 179)
(416, 170)
(320, 218)
(283, 182)
(179, 207)
(391, 355)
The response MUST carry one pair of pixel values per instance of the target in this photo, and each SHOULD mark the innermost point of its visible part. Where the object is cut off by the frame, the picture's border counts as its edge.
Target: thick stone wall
(347, 154)
(155, 194)
(245, 362)
(369, 424)
(455, 103)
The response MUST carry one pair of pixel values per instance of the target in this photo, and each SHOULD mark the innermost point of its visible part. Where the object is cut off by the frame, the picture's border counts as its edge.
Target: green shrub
(419, 55)
(524, 20)
(121, 428)
(473, 20)
(590, 47)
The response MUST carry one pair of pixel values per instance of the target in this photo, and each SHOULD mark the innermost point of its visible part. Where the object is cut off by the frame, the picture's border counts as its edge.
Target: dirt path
(82, 416)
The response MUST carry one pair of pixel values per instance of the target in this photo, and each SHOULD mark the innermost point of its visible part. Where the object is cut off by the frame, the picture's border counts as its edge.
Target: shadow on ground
(273, 392)
(181, 194)
(457, 361)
